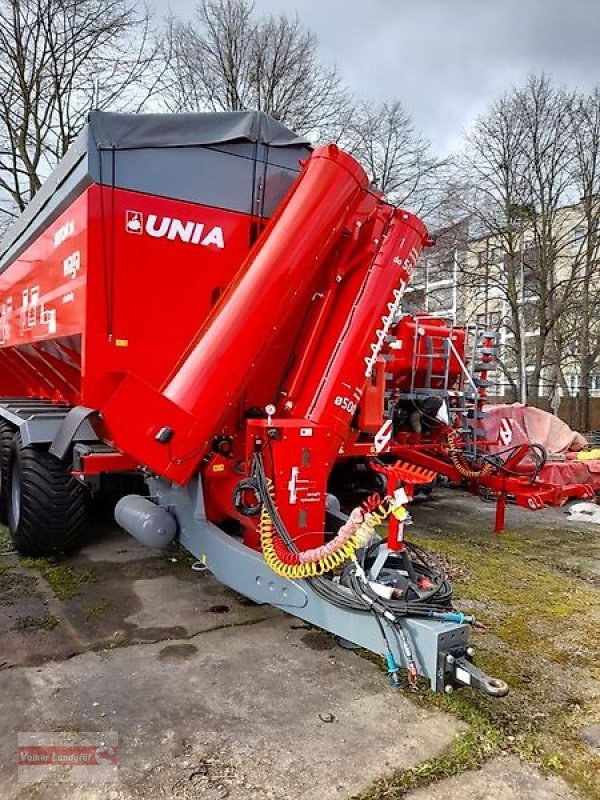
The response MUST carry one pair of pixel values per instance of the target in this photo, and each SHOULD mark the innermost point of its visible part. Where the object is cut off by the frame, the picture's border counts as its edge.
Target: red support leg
(500, 513)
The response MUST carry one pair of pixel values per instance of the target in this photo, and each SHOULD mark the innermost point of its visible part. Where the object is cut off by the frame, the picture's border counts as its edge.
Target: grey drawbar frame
(245, 570)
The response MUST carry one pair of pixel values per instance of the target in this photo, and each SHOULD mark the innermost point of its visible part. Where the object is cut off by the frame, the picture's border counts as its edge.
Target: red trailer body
(72, 326)
(205, 301)
(114, 268)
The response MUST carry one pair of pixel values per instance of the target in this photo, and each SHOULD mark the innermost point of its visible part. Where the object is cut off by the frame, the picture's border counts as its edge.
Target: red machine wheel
(47, 507)
(7, 434)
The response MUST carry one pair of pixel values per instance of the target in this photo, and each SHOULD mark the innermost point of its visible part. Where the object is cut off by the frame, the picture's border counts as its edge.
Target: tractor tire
(47, 506)
(7, 435)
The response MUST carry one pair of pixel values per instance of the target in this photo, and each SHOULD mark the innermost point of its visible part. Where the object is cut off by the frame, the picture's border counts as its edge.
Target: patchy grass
(46, 623)
(543, 638)
(467, 752)
(95, 610)
(64, 581)
(6, 544)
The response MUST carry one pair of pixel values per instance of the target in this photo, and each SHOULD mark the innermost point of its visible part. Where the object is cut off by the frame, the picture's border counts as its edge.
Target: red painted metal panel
(412, 341)
(160, 267)
(93, 298)
(42, 293)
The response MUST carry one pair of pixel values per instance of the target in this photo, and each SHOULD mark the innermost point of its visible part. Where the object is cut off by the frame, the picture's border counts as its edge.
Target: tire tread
(54, 505)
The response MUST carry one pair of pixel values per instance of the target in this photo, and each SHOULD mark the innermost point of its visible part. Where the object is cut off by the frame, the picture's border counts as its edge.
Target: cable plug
(413, 676)
(393, 670)
(360, 573)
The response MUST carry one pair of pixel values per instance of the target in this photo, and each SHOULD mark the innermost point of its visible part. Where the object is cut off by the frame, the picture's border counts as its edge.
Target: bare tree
(398, 160)
(584, 329)
(229, 59)
(57, 59)
(518, 174)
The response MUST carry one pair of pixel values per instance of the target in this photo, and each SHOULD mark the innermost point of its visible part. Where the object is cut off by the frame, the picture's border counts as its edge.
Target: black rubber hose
(347, 593)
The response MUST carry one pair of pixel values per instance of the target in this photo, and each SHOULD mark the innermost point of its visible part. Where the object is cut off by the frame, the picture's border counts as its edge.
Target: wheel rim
(15, 495)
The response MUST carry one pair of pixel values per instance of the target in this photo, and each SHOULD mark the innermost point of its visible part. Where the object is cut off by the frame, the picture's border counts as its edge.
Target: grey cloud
(447, 59)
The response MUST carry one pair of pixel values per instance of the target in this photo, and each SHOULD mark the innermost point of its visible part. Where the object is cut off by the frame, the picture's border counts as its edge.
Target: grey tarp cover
(88, 161)
(124, 131)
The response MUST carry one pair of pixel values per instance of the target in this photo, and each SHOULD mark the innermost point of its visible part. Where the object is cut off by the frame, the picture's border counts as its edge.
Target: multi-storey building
(495, 280)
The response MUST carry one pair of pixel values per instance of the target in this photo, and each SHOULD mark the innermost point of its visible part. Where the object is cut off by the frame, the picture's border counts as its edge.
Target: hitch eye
(465, 673)
(495, 687)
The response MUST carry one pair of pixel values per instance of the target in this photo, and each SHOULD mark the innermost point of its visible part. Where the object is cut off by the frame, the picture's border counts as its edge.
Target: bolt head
(470, 651)
(448, 689)
(450, 659)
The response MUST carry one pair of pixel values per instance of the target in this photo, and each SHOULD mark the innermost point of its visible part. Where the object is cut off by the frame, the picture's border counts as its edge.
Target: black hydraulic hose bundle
(538, 453)
(426, 592)
(352, 592)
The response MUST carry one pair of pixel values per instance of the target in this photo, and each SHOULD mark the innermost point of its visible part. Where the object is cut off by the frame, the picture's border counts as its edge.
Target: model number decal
(72, 265)
(66, 230)
(346, 403)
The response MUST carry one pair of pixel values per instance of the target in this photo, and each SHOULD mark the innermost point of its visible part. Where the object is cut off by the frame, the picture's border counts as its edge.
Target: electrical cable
(353, 593)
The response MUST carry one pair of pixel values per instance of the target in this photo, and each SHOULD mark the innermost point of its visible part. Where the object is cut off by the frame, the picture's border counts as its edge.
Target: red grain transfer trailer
(204, 301)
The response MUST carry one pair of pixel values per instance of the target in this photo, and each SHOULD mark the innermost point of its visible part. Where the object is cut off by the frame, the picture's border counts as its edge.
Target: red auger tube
(271, 286)
(352, 346)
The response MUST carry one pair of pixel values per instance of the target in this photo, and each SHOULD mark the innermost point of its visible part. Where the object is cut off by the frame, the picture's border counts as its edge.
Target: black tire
(7, 435)
(47, 506)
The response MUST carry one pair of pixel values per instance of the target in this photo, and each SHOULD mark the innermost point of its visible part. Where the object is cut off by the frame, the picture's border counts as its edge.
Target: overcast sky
(447, 59)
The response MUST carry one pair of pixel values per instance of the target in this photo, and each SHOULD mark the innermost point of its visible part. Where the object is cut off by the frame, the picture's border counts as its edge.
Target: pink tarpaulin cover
(529, 424)
(510, 425)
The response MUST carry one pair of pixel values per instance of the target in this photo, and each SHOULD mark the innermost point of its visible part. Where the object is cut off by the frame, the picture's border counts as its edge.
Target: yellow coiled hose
(364, 532)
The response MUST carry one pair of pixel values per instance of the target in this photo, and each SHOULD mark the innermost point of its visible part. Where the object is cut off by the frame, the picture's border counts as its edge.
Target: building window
(573, 384)
(495, 320)
(578, 233)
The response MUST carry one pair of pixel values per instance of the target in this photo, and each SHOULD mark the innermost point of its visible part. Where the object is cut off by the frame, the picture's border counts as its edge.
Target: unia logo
(172, 228)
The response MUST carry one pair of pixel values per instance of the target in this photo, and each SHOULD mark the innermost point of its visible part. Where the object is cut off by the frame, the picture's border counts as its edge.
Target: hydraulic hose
(354, 534)
(456, 456)
(346, 594)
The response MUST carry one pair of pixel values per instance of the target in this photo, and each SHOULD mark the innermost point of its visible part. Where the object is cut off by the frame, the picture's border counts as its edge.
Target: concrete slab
(110, 544)
(195, 605)
(260, 711)
(590, 735)
(119, 601)
(501, 779)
